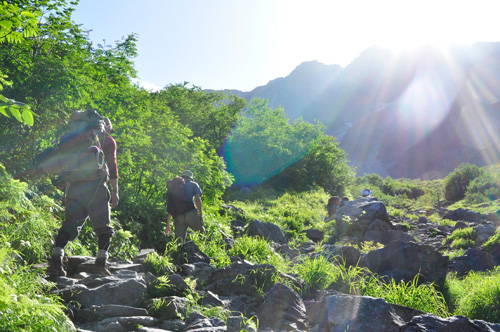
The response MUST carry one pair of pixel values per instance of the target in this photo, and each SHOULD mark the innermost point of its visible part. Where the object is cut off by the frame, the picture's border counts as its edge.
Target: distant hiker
(86, 189)
(366, 192)
(344, 201)
(182, 191)
(332, 206)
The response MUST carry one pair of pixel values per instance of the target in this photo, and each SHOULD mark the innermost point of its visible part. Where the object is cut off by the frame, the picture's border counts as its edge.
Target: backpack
(177, 201)
(78, 156)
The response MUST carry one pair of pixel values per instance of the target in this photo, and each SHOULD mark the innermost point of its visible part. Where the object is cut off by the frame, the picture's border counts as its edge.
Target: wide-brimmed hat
(187, 174)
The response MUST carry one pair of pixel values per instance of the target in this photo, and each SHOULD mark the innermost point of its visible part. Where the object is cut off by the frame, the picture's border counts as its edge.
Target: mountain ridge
(398, 114)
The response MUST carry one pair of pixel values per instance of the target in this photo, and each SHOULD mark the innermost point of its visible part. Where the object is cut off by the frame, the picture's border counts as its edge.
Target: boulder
(473, 260)
(129, 292)
(403, 261)
(430, 322)
(282, 309)
(464, 215)
(189, 253)
(340, 313)
(266, 230)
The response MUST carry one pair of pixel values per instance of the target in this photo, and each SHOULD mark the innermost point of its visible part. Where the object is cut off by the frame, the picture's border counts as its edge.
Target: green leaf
(28, 14)
(3, 111)
(15, 112)
(28, 117)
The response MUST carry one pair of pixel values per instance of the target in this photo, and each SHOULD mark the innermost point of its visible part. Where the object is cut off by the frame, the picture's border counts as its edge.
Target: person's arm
(168, 229)
(115, 198)
(197, 202)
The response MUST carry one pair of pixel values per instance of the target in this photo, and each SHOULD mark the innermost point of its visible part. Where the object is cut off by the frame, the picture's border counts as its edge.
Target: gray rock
(403, 261)
(266, 230)
(282, 309)
(125, 292)
(430, 322)
(340, 313)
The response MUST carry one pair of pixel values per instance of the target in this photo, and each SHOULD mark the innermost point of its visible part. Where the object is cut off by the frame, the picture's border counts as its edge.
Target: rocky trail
(132, 299)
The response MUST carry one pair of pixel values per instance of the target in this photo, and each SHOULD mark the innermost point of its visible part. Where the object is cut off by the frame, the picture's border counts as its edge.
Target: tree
(456, 183)
(15, 26)
(324, 165)
(210, 115)
(56, 72)
(264, 143)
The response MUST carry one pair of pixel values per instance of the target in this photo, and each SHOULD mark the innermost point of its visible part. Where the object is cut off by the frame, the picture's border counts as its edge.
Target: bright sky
(243, 44)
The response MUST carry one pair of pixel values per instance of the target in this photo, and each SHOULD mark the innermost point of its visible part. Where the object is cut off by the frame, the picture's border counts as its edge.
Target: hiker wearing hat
(184, 204)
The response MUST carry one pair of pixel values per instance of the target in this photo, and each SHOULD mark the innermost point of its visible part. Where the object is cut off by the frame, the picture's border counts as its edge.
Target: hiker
(332, 206)
(366, 192)
(344, 201)
(88, 196)
(189, 214)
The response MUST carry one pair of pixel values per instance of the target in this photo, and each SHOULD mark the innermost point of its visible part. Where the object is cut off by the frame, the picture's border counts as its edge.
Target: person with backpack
(366, 192)
(332, 206)
(86, 188)
(184, 205)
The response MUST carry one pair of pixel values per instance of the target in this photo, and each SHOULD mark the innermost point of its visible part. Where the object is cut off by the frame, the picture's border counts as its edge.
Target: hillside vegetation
(288, 171)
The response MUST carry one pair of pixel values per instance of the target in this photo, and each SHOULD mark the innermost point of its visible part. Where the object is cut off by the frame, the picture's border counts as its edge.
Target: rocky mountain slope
(134, 299)
(414, 114)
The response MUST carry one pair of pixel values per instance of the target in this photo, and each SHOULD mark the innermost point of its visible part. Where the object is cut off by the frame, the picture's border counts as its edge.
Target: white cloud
(149, 86)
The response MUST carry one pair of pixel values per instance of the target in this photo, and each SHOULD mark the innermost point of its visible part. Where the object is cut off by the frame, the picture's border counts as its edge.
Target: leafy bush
(212, 244)
(263, 143)
(456, 183)
(324, 165)
(26, 219)
(484, 188)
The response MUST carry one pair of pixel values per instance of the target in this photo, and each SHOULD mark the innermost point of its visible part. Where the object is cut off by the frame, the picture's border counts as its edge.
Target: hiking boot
(101, 267)
(56, 267)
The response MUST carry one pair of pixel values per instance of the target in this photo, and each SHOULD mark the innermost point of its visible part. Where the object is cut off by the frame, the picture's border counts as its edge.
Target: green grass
(24, 303)
(423, 297)
(477, 296)
(461, 238)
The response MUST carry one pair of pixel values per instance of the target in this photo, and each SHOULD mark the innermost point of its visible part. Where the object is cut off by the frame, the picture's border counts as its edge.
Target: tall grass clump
(461, 238)
(24, 304)
(476, 296)
(423, 297)
(212, 243)
(317, 274)
(257, 251)
(158, 265)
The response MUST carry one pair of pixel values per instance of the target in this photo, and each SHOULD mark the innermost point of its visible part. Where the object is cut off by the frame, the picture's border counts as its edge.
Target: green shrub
(484, 188)
(456, 183)
(26, 219)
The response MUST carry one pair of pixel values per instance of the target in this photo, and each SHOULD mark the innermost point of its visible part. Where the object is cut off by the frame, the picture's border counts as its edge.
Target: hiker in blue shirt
(190, 216)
